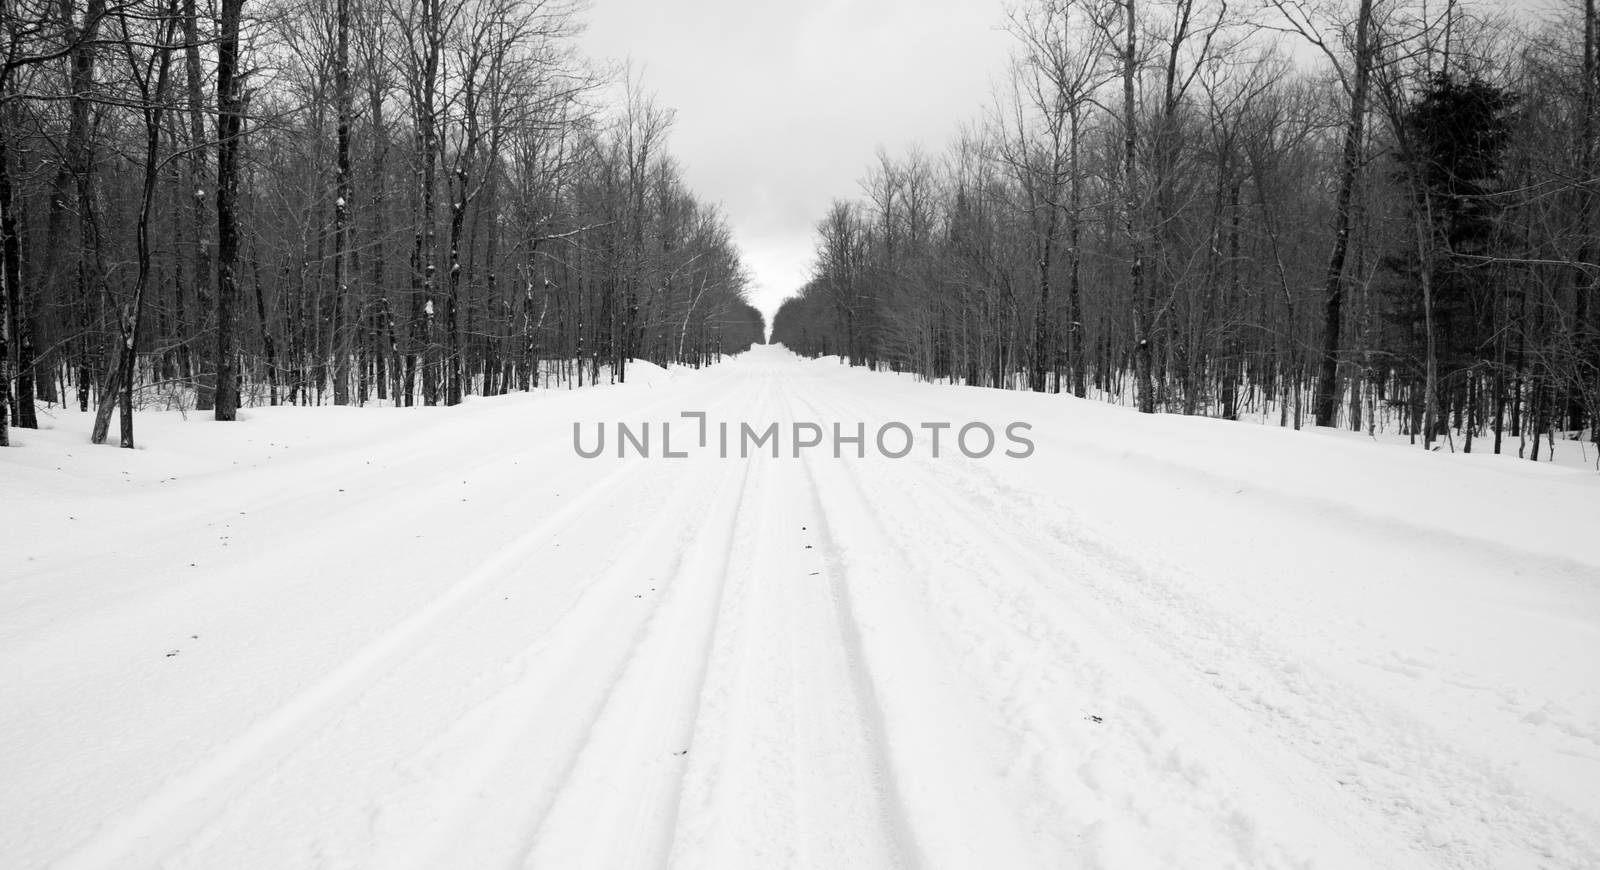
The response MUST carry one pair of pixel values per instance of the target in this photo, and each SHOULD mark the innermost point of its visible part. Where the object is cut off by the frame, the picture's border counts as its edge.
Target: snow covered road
(440, 638)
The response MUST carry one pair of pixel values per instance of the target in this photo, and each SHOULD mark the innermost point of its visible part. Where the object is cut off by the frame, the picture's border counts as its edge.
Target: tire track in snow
(1122, 789)
(1178, 626)
(1031, 592)
(1376, 763)
(247, 607)
(1320, 723)
(866, 691)
(948, 798)
(1037, 669)
(524, 745)
(462, 796)
(508, 758)
(646, 718)
(161, 822)
(789, 769)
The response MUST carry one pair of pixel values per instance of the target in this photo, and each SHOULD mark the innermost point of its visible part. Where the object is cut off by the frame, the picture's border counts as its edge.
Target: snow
(647, 373)
(437, 637)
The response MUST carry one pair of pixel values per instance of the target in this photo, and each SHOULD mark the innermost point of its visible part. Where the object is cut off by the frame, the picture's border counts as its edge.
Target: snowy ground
(439, 638)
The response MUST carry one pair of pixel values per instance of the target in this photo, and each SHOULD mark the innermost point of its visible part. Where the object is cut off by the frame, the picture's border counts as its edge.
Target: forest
(1344, 214)
(209, 204)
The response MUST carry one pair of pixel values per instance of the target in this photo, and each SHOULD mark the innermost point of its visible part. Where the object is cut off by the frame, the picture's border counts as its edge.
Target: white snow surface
(425, 638)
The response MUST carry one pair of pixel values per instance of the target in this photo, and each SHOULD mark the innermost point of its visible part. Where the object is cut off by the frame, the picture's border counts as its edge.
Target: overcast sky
(782, 104)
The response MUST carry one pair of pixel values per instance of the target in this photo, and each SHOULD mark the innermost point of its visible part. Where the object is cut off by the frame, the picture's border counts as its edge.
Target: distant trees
(1450, 141)
(336, 200)
(1404, 228)
(1040, 143)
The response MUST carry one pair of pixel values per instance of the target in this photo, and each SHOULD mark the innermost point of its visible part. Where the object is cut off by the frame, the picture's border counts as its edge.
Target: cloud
(781, 106)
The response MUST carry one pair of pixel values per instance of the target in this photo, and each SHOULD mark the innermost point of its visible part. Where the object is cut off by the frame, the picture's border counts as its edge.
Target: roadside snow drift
(440, 638)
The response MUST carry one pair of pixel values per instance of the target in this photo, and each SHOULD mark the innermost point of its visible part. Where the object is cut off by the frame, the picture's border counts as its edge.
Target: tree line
(1330, 213)
(224, 203)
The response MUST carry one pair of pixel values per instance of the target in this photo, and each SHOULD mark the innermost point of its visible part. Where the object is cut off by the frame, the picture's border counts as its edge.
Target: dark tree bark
(1585, 272)
(89, 274)
(1077, 357)
(340, 345)
(1349, 166)
(424, 88)
(230, 125)
(120, 387)
(198, 353)
(1144, 314)
(17, 310)
(11, 274)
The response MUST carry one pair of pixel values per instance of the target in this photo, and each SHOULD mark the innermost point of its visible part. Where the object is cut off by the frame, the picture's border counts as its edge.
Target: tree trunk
(10, 273)
(340, 346)
(268, 346)
(121, 385)
(1333, 281)
(1075, 350)
(1585, 277)
(426, 253)
(16, 311)
(198, 352)
(89, 274)
(230, 123)
(1144, 317)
